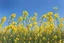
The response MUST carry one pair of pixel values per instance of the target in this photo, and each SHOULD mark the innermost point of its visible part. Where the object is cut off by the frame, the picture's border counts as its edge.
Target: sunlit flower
(56, 15)
(35, 23)
(25, 13)
(13, 15)
(44, 16)
(3, 19)
(50, 13)
(20, 19)
(13, 23)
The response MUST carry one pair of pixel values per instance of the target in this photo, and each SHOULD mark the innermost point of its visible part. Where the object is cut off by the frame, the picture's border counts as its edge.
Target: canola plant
(29, 29)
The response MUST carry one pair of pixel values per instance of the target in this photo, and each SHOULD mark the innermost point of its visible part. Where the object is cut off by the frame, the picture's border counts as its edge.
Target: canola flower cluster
(46, 29)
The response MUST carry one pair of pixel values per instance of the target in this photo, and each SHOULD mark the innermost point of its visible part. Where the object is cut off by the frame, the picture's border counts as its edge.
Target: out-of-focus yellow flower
(35, 38)
(55, 36)
(60, 41)
(49, 31)
(0, 26)
(51, 25)
(20, 19)
(13, 15)
(24, 42)
(50, 13)
(29, 42)
(4, 38)
(38, 34)
(56, 15)
(13, 23)
(25, 13)
(43, 38)
(44, 16)
(3, 19)
(17, 38)
(41, 27)
(13, 28)
(48, 42)
(30, 25)
(35, 23)
(60, 25)
(30, 38)
(32, 19)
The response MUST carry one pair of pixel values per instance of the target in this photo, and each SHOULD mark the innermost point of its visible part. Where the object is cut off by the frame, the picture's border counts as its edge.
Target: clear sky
(7, 7)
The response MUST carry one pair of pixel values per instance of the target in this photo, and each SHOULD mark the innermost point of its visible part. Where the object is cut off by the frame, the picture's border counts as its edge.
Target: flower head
(3, 19)
(20, 19)
(13, 15)
(25, 13)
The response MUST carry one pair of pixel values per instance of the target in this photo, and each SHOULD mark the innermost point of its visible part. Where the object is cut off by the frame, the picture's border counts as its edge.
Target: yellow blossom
(44, 16)
(55, 36)
(30, 38)
(50, 13)
(29, 42)
(25, 13)
(35, 23)
(13, 23)
(3, 19)
(17, 38)
(20, 19)
(43, 38)
(13, 15)
(56, 15)
(30, 25)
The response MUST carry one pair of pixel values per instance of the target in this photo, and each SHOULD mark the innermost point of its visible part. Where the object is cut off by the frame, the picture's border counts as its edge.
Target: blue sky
(7, 7)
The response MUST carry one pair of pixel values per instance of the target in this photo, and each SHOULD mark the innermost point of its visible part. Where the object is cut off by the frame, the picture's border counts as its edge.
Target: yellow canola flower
(48, 42)
(29, 42)
(14, 28)
(17, 38)
(13, 23)
(49, 31)
(60, 41)
(35, 23)
(55, 36)
(56, 15)
(24, 42)
(44, 16)
(35, 38)
(30, 25)
(43, 38)
(13, 15)
(51, 25)
(25, 13)
(60, 25)
(33, 18)
(3, 19)
(50, 13)
(30, 38)
(20, 19)
(41, 27)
